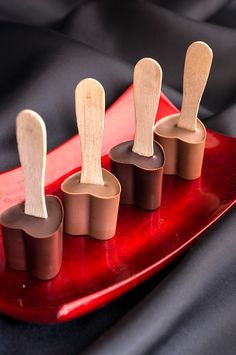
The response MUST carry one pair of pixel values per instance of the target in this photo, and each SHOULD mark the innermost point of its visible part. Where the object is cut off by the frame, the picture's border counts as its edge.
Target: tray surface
(94, 272)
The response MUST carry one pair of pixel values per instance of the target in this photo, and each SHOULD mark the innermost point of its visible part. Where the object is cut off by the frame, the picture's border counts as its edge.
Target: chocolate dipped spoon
(91, 196)
(138, 164)
(183, 135)
(32, 230)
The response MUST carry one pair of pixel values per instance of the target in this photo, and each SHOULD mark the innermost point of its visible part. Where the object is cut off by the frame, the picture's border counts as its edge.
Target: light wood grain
(32, 148)
(196, 71)
(90, 110)
(147, 88)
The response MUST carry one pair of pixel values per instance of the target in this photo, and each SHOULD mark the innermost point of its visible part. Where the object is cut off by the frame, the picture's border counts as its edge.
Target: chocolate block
(140, 176)
(31, 243)
(184, 149)
(91, 209)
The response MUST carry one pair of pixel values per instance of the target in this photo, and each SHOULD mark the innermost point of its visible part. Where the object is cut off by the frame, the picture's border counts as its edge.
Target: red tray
(93, 272)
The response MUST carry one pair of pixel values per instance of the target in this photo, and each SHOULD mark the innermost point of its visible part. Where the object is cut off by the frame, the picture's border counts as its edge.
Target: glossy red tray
(94, 272)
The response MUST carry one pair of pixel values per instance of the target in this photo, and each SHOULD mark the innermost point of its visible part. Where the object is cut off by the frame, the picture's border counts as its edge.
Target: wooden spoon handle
(32, 148)
(90, 109)
(196, 71)
(147, 89)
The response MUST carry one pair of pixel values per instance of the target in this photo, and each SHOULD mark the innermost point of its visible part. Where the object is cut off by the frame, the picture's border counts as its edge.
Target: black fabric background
(46, 48)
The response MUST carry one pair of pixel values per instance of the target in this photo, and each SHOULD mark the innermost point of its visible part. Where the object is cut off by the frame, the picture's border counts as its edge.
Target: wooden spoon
(90, 109)
(147, 89)
(32, 148)
(196, 71)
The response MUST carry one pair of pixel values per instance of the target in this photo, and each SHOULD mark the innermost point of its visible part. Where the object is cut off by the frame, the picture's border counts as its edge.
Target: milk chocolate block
(91, 197)
(33, 230)
(140, 177)
(183, 135)
(138, 164)
(184, 149)
(91, 209)
(31, 243)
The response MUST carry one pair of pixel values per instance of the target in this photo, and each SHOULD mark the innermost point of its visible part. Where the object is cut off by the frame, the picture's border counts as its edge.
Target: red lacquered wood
(94, 272)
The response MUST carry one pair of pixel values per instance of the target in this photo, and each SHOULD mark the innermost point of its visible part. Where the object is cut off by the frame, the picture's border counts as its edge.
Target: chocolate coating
(140, 177)
(184, 149)
(31, 243)
(91, 209)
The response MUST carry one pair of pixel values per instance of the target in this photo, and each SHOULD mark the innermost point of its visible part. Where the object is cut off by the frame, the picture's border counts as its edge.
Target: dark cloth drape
(47, 47)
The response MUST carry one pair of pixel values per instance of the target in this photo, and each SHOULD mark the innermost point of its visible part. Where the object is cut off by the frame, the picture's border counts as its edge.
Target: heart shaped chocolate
(140, 177)
(184, 149)
(183, 135)
(91, 197)
(34, 244)
(91, 209)
(138, 164)
(33, 229)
